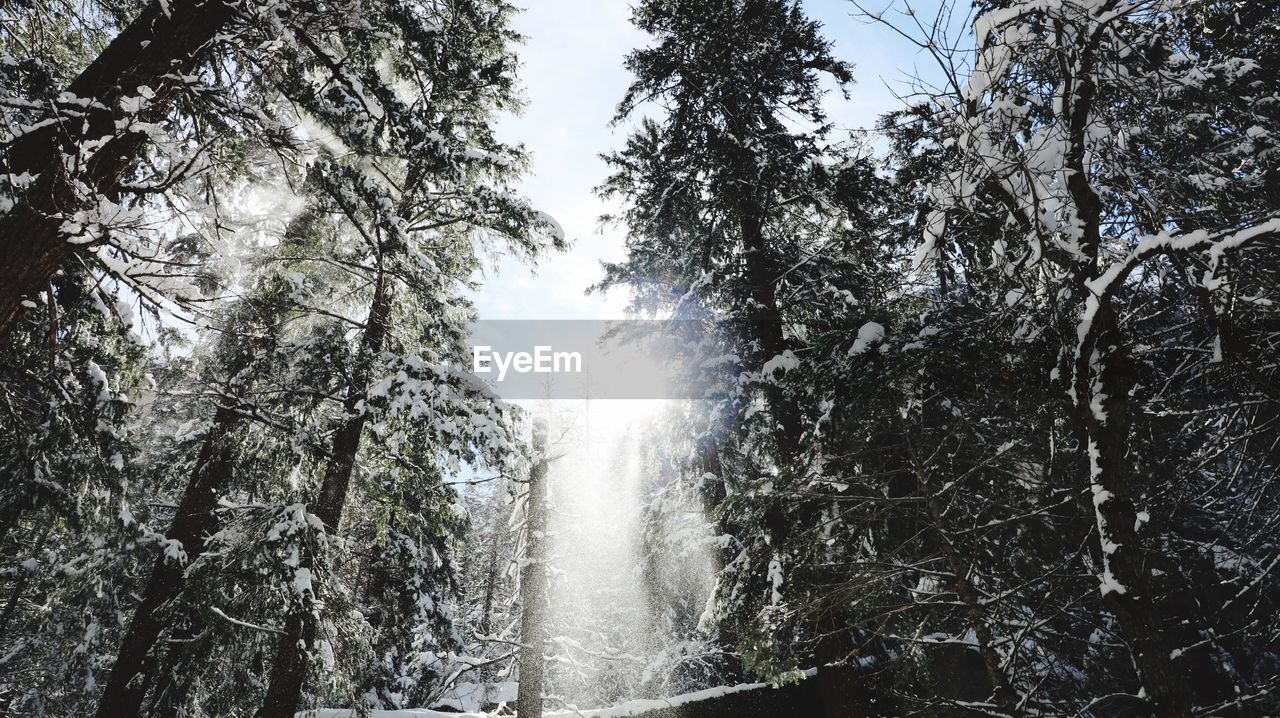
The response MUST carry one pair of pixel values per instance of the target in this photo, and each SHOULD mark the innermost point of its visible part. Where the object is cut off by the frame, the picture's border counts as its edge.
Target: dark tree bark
(1106, 435)
(761, 275)
(194, 520)
(288, 673)
(533, 584)
(152, 50)
(138, 659)
(765, 314)
(1127, 591)
(839, 689)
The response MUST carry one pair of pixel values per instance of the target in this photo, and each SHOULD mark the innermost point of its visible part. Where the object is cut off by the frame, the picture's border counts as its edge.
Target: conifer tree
(246, 347)
(744, 216)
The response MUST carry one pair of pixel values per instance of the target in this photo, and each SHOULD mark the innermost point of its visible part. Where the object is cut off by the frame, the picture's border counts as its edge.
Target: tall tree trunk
(137, 658)
(284, 690)
(533, 583)
(194, 520)
(1106, 382)
(750, 207)
(1103, 378)
(766, 315)
(151, 51)
(839, 688)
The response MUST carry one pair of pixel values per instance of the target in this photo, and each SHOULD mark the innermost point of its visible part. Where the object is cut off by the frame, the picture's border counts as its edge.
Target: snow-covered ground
(622, 710)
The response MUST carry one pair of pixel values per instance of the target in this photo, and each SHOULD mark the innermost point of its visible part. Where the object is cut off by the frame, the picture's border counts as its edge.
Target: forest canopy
(984, 411)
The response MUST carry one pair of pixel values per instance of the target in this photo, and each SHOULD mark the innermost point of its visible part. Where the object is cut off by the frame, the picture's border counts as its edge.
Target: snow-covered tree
(747, 219)
(344, 348)
(1111, 162)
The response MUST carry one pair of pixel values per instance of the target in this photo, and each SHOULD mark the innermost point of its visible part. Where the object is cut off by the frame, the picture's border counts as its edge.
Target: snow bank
(622, 710)
(631, 708)
(405, 713)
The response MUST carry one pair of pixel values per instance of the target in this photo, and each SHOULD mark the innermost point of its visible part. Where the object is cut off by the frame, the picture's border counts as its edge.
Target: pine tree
(247, 347)
(73, 388)
(742, 222)
(432, 210)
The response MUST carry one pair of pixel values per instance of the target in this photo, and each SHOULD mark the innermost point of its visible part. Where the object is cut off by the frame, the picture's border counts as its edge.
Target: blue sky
(573, 78)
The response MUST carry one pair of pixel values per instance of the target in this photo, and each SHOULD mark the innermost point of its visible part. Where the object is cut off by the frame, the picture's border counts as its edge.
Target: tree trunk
(764, 314)
(284, 690)
(150, 52)
(533, 583)
(194, 520)
(1103, 377)
(1125, 576)
(761, 274)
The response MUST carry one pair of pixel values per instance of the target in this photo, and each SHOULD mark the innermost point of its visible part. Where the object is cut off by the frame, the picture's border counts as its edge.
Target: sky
(573, 78)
